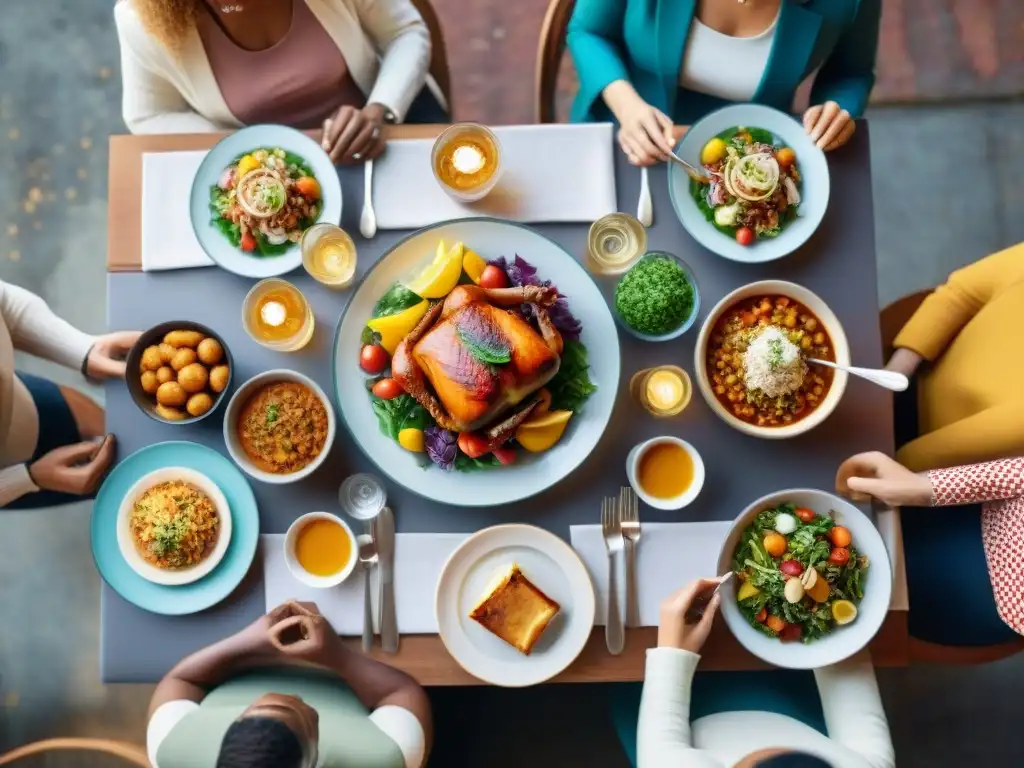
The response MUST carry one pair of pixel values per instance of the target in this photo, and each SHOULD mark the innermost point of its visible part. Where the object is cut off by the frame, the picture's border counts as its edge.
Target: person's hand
(76, 469)
(106, 358)
(673, 631)
(354, 135)
(299, 631)
(829, 125)
(646, 134)
(904, 361)
(875, 475)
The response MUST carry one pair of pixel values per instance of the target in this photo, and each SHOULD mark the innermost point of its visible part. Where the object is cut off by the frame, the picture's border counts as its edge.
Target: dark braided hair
(259, 742)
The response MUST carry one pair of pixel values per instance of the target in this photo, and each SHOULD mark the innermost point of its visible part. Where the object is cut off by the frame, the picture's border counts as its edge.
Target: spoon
(645, 208)
(692, 172)
(892, 380)
(368, 220)
(368, 559)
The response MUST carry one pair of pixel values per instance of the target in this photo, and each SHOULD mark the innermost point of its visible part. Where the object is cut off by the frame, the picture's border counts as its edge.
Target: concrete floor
(934, 211)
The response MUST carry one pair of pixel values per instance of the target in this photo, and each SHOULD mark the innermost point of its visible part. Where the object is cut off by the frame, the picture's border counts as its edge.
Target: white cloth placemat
(168, 240)
(419, 558)
(551, 173)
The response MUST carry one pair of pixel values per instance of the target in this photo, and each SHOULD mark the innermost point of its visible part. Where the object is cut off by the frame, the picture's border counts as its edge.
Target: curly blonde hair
(169, 21)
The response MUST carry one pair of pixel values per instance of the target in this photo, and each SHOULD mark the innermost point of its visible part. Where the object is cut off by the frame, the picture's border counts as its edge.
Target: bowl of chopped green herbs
(657, 299)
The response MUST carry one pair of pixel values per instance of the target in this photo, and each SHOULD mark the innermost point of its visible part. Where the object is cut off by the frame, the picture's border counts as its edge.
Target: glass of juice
(466, 161)
(662, 391)
(278, 316)
(329, 255)
(615, 243)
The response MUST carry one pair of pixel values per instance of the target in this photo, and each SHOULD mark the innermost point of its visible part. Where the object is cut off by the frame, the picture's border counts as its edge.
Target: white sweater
(27, 324)
(858, 734)
(385, 43)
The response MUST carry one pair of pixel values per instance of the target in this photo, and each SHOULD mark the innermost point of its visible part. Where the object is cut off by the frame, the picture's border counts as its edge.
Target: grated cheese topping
(773, 364)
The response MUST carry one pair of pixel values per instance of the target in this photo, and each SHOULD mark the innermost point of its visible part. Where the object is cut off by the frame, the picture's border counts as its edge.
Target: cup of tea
(466, 161)
(320, 550)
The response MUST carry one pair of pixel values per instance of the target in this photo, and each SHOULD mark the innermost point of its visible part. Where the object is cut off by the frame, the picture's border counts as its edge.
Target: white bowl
(842, 642)
(832, 325)
(301, 573)
(238, 401)
(683, 499)
(127, 545)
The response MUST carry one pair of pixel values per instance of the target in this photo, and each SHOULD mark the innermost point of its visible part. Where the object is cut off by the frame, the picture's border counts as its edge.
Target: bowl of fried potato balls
(179, 372)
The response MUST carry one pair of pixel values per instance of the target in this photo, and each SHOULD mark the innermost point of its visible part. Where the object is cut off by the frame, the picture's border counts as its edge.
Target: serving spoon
(368, 559)
(891, 380)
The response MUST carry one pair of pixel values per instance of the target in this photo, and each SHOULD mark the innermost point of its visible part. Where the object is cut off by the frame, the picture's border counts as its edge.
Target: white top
(858, 734)
(386, 45)
(398, 723)
(724, 66)
(27, 324)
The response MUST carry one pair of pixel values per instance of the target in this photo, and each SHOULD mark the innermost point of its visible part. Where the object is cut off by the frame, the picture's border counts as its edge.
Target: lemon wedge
(394, 328)
(412, 440)
(541, 433)
(843, 611)
(441, 275)
(712, 152)
(473, 265)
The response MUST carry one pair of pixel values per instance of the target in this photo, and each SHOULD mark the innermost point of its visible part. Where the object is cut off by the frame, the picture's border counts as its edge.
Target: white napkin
(419, 558)
(551, 173)
(168, 240)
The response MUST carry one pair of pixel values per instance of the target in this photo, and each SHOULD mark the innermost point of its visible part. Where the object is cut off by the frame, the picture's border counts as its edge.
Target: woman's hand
(829, 126)
(904, 361)
(646, 134)
(673, 631)
(76, 469)
(106, 358)
(875, 475)
(354, 135)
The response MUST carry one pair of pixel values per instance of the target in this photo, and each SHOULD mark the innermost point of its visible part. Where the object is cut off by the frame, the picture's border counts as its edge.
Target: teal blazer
(643, 41)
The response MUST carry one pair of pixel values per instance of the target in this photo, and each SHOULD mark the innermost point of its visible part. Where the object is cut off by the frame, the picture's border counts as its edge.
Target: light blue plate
(211, 589)
(814, 185)
(218, 247)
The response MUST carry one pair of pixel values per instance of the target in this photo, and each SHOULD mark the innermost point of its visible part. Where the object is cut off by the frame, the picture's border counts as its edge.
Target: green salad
(799, 574)
(655, 296)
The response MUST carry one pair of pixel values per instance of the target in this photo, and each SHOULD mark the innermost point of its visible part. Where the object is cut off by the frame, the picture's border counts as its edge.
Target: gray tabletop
(838, 263)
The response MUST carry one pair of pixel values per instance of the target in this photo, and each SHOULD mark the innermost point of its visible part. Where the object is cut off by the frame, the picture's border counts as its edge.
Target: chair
(439, 54)
(892, 319)
(549, 57)
(131, 753)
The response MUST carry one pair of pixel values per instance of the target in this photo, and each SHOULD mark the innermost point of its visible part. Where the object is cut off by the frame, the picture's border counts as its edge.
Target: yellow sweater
(971, 399)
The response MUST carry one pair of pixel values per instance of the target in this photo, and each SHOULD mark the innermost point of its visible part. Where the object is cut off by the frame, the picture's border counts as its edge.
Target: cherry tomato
(247, 243)
(791, 568)
(775, 544)
(309, 187)
(790, 633)
(775, 623)
(386, 389)
(806, 515)
(744, 235)
(373, 358)
(785, 157)
(472, 445)
(840, 536)
(762, 616)
(839, 556)
(493, 277)
(505, 455)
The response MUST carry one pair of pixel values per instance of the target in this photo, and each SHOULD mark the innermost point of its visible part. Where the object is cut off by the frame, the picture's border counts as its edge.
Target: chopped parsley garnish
(774, 354)
(272, 413)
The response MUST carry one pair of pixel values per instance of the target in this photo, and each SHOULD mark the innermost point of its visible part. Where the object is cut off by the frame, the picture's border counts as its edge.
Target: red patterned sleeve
(974, 483)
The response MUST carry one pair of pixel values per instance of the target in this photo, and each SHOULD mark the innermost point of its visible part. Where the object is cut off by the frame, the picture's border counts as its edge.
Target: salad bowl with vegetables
(254, 195)
(812, 579)
(477, 363)
(766, 188)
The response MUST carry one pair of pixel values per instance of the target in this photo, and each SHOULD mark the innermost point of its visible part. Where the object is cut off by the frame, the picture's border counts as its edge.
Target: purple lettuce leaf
(442, 446)
(521, 272)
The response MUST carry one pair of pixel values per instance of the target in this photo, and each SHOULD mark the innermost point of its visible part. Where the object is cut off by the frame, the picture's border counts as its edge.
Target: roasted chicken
(472, 358)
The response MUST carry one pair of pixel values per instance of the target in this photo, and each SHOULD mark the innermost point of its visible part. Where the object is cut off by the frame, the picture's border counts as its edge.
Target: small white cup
(292, 560)
(683, 499)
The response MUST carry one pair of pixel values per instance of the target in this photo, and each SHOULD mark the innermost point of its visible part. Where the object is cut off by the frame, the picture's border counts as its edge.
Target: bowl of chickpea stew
(751, 353)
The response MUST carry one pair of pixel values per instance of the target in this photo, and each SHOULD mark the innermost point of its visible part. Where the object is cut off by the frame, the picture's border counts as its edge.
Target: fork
(612, 532)
(629, 512)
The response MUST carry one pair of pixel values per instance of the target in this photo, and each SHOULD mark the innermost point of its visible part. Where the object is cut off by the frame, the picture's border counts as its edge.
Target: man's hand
(76, 469)
(301, 633)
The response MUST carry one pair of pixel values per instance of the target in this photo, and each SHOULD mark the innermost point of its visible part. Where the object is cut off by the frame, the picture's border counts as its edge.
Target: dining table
(838, 263)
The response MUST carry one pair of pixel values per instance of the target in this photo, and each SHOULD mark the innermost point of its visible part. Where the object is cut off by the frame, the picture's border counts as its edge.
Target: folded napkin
(551, 173)
(168, 240)
(419, 558)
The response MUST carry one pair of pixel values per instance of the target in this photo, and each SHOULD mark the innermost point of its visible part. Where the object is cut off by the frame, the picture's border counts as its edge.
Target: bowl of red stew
(751, 359)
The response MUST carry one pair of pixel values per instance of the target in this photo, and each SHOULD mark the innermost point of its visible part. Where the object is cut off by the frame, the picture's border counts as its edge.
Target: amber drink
(278, 316)
(662, 391)
(466, 161)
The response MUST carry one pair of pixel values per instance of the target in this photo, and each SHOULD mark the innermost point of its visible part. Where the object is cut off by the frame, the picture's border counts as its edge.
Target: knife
(384, 536)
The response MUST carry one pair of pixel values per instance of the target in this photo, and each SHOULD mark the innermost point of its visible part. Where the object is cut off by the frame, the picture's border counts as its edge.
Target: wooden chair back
(439, 69)
(130, 753)
(549, 57)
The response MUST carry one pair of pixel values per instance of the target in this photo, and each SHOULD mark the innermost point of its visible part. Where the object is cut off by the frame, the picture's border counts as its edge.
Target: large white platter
(531, 474)
(553, 567)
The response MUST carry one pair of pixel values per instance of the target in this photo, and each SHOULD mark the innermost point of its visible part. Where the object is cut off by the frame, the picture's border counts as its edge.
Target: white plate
(814, 185)
(217, 246)
(842, 642)
(532, 473)
(127, 545)
(553, 567)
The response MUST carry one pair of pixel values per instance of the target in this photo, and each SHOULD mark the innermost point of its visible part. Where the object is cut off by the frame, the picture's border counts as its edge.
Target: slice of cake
(515, 610)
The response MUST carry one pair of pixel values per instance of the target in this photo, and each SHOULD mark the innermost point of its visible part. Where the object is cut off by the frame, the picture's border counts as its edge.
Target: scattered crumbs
(14, 255)
(14, 134)
(37, 225)
(12, 230)
(30, 207)
(83, 174)
(85, 143)
(70, 193)
(104, 73)
(35, 195)
(11, 700)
